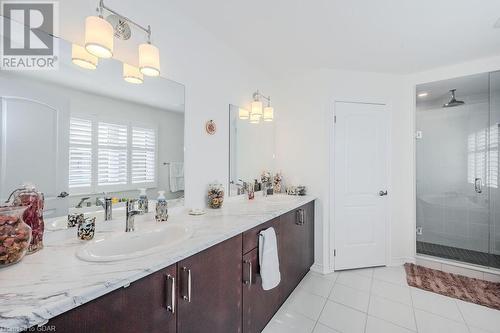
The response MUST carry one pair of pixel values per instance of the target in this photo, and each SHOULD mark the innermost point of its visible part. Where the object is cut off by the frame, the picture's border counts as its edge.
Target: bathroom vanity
(208, 283)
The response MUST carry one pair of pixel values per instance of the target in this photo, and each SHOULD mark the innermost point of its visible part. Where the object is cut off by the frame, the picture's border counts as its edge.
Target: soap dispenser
(142, 203)
(161, 208)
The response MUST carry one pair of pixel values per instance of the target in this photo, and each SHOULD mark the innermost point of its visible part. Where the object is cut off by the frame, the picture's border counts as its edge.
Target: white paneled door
(33, 148)
(361, 173)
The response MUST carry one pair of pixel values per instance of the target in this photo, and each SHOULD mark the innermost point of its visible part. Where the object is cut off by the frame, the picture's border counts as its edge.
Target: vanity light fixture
(254, 118)
(99, 36)
(132, 74)
(100, 33)
(81, 57)
(244, 114)
(268, 112)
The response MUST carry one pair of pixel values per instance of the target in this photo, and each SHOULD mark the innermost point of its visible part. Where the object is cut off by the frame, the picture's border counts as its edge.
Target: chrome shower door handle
(478, 185)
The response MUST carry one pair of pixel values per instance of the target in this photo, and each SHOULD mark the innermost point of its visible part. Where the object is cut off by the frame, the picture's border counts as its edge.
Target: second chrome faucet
(131, 212)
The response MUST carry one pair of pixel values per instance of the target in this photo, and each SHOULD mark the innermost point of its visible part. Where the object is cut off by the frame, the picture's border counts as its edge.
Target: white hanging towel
(268, 259)
(176, 176)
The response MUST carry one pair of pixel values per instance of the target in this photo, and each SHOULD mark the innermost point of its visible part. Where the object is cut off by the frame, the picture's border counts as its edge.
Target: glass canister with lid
(215, 195)
(15, 235)
(28, 196)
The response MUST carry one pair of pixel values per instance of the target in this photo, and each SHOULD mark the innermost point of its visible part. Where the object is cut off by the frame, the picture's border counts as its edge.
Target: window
(143, 155)
(80, 153)
(104, 156)
(112, 154)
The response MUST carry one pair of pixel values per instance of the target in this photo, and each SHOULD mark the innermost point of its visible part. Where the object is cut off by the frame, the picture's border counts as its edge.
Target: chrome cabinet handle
(300, 217)
(250, 275)
(478, 185)
(170, 307)
(188, 297)
(382, 193)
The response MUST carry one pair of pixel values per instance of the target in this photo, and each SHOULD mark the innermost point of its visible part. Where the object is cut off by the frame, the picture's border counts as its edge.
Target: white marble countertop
(53, 280)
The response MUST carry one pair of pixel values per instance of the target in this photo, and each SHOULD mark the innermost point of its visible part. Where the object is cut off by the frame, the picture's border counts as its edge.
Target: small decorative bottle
(161, 208)
(142, 203)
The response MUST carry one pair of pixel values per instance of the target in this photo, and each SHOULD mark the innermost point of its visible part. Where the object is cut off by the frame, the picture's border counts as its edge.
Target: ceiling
(392, 36)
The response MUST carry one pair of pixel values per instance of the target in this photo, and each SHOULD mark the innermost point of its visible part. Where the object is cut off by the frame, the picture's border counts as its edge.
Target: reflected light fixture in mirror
(132, 74)
(99, 37)
(82, 58)
(268, 113)
(149, 59)
(244, 114)
(256, 108)
(254, 118)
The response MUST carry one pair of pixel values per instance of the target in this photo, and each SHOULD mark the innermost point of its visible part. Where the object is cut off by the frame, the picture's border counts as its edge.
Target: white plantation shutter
(80, 153)
(143, 155)
(112, 154)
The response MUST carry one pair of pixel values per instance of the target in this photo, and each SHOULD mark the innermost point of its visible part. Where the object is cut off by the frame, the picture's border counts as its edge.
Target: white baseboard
(317, 268)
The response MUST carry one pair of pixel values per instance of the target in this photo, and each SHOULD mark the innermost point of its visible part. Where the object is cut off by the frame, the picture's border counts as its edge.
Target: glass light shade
(268, 113)
(132, 74)
(256, 108)
(244, 114)
(254, 118)
(82, 58)
(149, 59)
(99, 37)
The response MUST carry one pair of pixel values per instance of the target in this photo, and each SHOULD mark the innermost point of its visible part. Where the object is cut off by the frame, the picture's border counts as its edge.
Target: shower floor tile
(454, 253)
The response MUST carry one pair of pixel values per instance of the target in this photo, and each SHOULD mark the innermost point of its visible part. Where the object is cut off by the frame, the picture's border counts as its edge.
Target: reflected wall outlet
(420, 231)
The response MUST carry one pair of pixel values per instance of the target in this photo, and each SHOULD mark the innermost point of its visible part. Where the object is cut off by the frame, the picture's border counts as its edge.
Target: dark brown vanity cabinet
(210, 289)
(297, 246)
(144, 306)
(217, 290)
(259, 305)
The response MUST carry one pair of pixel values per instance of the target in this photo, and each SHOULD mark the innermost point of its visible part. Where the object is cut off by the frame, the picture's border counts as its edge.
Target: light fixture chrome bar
(137, 25)
(257, 96)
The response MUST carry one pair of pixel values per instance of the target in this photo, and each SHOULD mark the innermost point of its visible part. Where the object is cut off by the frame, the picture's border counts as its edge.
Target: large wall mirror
(251, 149)
(88, 132)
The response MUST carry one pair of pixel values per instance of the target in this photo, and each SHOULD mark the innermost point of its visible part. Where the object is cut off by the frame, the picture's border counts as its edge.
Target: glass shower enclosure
(457, 171)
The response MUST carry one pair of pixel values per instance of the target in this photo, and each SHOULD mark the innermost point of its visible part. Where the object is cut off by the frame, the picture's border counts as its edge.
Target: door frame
(331, 190)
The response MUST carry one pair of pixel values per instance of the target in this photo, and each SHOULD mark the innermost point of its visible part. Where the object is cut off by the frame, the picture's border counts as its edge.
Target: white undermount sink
(129, 245)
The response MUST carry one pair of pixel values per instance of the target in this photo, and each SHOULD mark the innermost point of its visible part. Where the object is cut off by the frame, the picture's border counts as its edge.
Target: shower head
(453, 101)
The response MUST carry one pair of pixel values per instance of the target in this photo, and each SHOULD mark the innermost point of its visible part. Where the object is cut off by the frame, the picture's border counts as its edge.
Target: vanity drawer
(251, 237)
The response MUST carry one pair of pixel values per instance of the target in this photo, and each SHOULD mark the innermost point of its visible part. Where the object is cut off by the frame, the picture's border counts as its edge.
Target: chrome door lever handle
(382, 193)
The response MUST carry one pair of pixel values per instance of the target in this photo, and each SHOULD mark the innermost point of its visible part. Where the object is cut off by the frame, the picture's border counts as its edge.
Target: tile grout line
(463, 317)
(324, 305)
(369, 300)
(413, 309)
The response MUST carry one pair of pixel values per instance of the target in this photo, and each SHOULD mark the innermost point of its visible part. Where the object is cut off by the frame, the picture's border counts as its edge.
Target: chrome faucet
(241, 186)
(131, 213)
(107, 204)
(82, 200)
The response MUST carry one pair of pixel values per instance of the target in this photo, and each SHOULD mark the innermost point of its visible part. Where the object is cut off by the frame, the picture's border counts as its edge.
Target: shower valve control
(382, 193)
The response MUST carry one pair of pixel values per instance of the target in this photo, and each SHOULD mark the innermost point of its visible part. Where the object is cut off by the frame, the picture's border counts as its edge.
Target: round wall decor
(211, 127)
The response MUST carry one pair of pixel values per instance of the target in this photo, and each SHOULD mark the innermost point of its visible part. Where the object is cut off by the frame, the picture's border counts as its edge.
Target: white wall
(304, 123)
(214, 75)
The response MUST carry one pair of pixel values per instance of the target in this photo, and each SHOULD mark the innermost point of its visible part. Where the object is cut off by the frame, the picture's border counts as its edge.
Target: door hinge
(334, 253)
(334, 119)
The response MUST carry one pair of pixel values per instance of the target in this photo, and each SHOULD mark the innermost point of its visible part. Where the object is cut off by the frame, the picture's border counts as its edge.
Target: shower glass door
(494, 169)
(456, 157)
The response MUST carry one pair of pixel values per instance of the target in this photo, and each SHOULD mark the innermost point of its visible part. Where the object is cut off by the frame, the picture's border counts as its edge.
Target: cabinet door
(259, 305)
(104, 314)
(292, 249)
(141, 307)
(309, 230)
(210, 289)
(150, 303)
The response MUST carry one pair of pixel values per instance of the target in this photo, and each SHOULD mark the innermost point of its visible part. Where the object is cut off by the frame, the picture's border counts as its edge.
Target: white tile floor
(376, 301)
